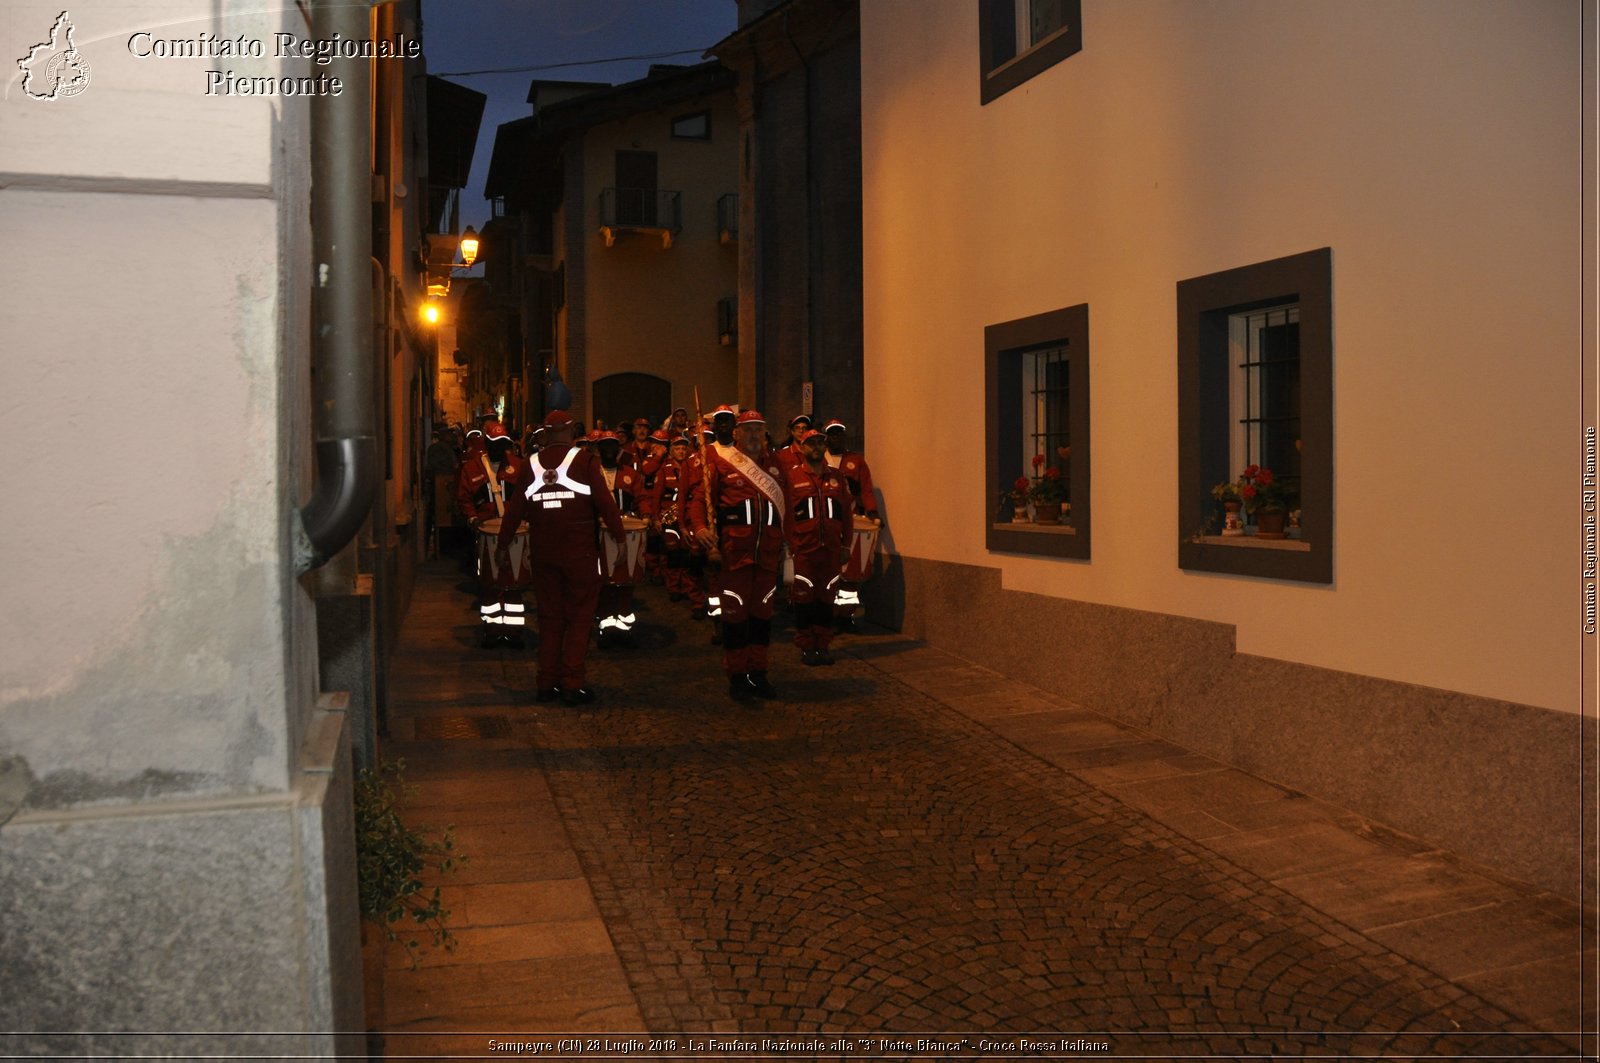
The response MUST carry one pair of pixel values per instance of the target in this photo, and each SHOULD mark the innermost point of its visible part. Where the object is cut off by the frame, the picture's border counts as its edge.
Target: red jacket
(627, 488)
(671, 489)
(747, 519)
(819, 510)
(474, 490)
(561, 493)
(853, 466)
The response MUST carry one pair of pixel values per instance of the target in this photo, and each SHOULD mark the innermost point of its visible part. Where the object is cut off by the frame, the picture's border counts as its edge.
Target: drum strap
(497, 490)
(559, 480)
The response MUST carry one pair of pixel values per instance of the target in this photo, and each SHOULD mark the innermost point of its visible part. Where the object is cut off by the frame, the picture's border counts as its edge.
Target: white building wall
(1432, 144)
(158, 684)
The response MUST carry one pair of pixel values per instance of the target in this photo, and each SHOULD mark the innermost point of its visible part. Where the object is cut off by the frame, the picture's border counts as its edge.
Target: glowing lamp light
(430, 312)
(469, 246)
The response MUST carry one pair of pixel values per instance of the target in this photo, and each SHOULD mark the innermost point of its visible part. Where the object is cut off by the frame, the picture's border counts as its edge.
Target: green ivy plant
(391, 858)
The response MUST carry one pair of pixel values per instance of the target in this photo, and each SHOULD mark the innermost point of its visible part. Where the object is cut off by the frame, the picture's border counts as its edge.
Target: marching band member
(739, 505)
(685, 559)
(858, 477)
(791, 453)
(481, 496)
(562, 492)
(819, 542)
(626, 485)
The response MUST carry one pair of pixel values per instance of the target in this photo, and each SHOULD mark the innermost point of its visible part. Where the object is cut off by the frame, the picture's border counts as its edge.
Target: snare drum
(624, 562)
(863, 543)
(521, 571)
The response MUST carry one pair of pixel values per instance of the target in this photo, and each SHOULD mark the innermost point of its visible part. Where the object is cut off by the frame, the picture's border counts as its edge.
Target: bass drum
(520, 574)
(623, 563)
(863, 544)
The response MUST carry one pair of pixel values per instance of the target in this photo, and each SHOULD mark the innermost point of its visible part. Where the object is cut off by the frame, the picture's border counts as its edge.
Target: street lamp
(469, 246)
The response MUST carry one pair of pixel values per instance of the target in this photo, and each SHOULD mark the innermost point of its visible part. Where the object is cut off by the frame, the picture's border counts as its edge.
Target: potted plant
(391, 859)
(1048, 493)
(1259, 493)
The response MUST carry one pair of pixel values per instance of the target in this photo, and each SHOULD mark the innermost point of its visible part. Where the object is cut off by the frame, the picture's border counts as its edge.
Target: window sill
(1254, 542)
(1040, 529)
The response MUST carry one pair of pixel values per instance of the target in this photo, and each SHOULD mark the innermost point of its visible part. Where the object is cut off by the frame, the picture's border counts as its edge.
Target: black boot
(740, 687)
(758, 683)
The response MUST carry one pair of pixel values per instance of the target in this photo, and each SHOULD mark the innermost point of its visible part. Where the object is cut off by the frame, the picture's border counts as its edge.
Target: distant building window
(1255, 387)
(1036, 386)
(1019, 39)
(693, 126)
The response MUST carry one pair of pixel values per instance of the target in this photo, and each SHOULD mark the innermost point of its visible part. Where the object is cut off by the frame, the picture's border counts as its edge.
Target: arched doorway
(624, 396)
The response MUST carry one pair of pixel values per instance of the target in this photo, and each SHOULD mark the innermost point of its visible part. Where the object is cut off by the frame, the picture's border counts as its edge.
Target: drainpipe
(341, 233)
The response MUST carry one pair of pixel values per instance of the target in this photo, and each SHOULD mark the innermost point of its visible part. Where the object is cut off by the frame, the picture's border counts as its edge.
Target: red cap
(811, 433)
(557, 419)
(751, 417)
(495, 430)
(723, 409)
(831, 425)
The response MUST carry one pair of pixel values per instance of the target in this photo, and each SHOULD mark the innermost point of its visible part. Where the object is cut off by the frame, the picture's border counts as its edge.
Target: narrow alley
(904, 842)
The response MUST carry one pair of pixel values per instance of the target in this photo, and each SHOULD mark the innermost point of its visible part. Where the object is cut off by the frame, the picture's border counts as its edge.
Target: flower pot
(1269, 524)
(1232, 525)
(1019, 515)
(1047, 512)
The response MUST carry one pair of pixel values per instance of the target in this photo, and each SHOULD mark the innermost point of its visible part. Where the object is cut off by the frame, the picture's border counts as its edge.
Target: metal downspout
(344, 426)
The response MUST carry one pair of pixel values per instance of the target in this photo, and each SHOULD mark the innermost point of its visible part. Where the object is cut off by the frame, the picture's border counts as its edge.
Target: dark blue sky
(472, 35)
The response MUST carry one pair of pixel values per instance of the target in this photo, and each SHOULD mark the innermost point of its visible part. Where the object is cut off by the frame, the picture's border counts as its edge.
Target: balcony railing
(728, 218)
(640, 210)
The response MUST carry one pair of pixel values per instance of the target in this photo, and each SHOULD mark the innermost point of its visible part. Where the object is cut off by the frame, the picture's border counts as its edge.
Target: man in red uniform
(562, 492)
(818, 540)
(685, 559)
(791, 453)
(742, 496)
(616, 595)
(481, 496)
(858, 478)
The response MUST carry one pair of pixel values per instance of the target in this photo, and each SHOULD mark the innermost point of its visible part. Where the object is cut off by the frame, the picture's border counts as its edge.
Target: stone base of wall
(166, 929)
(1497, 782)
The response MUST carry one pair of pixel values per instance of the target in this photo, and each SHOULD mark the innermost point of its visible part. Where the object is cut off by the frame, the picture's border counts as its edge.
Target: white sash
(748, 468)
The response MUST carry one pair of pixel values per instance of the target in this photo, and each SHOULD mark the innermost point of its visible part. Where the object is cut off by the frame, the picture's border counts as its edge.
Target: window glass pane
(1045, 17)
(1046, 419)
(693, 126)
(1265, 397)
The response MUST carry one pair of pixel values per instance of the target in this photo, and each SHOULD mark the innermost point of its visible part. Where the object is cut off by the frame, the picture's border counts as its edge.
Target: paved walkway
(907, 843)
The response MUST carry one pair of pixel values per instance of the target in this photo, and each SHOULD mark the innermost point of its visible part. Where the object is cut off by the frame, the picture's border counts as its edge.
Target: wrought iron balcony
(640, 210)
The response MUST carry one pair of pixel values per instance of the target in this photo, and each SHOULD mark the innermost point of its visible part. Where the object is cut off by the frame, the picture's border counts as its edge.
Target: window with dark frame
(1036, 385)
(695, 126)
(1255, 387)
(1019, 39)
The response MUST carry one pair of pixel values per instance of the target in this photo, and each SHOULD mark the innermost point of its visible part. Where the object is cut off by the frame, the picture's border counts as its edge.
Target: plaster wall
(158, 691)
(1433, 145)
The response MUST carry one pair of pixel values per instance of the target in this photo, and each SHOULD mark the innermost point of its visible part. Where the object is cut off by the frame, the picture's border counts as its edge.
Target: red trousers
(816, 575)
(567, 595)
(749, 581)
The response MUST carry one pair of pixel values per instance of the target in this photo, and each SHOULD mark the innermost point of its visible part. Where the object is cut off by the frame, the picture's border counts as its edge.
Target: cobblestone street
(904, 842)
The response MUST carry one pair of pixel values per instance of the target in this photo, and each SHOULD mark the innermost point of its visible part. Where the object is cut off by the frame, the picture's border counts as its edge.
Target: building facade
(799, 107)
(1151, 244)
(618, 204)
